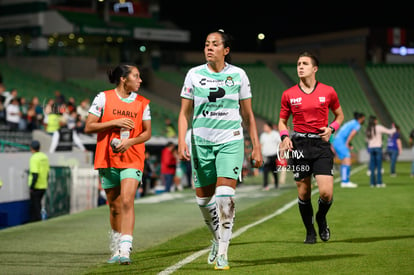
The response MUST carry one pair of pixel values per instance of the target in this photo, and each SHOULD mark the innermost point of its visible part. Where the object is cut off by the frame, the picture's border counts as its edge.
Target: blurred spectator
(147, 176)
(394, 149)
(59, 98)
(72, 119)
(13, 114)
(168, 165)
(178, 171)
(37, 120)
(64, 138)
(32, 122)
(52, 120)
(83, 109)
(48, 107)
(79, 124)
(374, 134)
(71, 104)
(169, 130)
(24, 107)
(10, 96)
(269, 139)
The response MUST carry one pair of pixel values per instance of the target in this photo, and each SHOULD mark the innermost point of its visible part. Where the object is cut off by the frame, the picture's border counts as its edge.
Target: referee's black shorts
(310, 156)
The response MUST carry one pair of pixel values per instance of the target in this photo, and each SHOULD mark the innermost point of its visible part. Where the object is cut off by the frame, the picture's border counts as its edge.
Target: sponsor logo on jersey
(296, 101)
(124, 113)
(214, 113)
(187, 91)
(217, 82)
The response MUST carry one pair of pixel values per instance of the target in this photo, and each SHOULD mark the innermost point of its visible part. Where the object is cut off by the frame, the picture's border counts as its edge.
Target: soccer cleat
(212, 256)
(310, 238)
(222, 263)
(349, 185)
(124, 258)
(381, 185)
(324, 232)
(114, 259)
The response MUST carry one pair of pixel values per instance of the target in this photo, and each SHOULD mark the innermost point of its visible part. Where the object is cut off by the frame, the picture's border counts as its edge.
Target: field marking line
(287, 206)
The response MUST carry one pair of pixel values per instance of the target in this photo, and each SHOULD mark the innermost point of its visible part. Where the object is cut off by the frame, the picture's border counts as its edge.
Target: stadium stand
(394, 84)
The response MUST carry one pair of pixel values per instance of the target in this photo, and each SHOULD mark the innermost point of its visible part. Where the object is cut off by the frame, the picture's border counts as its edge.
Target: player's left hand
(123, 146)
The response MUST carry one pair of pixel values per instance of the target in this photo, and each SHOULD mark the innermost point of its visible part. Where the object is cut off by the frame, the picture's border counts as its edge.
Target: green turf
(372, 232)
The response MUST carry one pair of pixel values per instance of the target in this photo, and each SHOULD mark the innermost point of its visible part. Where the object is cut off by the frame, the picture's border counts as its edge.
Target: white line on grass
(243, 229)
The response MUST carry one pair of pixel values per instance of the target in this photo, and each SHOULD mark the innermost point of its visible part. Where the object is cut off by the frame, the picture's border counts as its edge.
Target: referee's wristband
(284, 134)
(333, 129)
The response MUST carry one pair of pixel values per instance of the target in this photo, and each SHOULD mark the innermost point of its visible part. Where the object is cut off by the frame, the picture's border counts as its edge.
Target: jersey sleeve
(147, 113)
(357, 127)
(334, 104)
(98, 105)
(284, 106)
(188, 89)
(245, 90)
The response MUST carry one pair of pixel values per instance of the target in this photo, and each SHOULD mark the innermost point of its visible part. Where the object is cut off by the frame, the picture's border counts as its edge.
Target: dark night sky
(277, 19)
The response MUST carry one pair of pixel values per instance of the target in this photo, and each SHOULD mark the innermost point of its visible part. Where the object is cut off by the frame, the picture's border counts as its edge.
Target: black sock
(323, 207)
(306, 211)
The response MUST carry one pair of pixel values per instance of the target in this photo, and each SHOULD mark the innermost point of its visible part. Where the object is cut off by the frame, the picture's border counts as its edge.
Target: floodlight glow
(403, 51)
(261, 36)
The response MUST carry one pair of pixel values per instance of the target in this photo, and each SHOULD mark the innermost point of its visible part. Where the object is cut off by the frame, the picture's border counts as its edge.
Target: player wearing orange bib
(122, 120)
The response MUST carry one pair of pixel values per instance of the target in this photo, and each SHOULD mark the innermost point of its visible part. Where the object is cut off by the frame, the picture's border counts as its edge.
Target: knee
(127, 203)
(114, 209)
(326, 196)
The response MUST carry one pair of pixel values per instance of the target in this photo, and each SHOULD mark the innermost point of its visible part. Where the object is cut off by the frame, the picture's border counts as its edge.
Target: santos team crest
(229, 81)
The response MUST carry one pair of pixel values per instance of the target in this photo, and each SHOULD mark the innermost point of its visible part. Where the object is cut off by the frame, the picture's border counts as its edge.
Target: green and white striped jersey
(216, 96)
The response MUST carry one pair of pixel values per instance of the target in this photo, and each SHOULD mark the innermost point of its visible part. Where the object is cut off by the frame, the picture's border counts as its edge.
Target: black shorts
(310, 156)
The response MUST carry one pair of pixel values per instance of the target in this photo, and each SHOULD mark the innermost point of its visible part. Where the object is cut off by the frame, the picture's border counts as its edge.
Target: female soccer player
(309, 102)
(215, 94)
(122, 120)
(342, 145)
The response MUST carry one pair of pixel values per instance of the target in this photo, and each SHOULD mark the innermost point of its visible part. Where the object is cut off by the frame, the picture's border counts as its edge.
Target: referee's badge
(322, 99)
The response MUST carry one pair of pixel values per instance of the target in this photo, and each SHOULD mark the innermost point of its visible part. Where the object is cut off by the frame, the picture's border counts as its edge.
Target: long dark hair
(370, 132)
(227, 42)
(114, 75)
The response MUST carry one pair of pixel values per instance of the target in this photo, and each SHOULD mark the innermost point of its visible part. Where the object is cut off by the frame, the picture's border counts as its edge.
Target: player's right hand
(125, 123)
(183, 152)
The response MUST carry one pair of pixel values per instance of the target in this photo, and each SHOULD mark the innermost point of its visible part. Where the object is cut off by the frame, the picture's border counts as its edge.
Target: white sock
(226, 209)
(208, 208)
(125, 244)
(114, 241)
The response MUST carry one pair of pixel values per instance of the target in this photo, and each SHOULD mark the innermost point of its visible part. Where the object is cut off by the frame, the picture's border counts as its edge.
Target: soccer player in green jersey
(218, 98)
